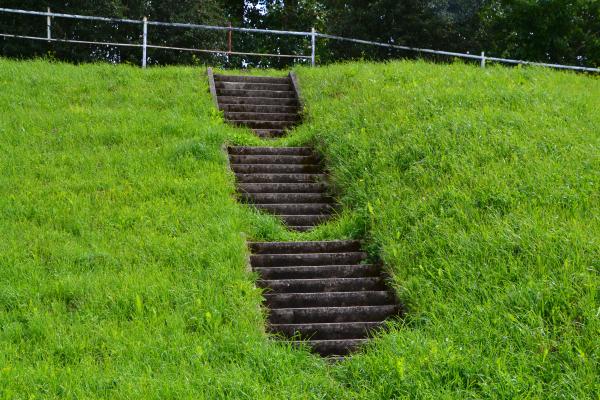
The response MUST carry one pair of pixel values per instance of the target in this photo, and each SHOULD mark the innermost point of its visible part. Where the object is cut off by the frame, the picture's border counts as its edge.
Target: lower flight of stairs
(322, 293)
(267, 105)
(285, 181)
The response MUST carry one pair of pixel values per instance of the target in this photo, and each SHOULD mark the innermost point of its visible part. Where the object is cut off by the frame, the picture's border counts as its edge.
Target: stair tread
(266, 177)
(299, 272)
(326, 324)
(276, 300)
(274, 114)
(259, 101)
(265, 150)
(262, 247)
(250, 78)
(272, 198)
(386, 307)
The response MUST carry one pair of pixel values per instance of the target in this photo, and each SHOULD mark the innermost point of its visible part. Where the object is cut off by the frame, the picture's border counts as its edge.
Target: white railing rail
(312, 35)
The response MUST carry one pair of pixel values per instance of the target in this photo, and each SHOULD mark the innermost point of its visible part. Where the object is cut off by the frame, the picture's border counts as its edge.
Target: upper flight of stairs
(322, 292)
(267, 105)
(285, 181)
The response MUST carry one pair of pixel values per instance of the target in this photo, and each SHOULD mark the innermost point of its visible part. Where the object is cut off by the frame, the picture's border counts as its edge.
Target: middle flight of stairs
(285, 181)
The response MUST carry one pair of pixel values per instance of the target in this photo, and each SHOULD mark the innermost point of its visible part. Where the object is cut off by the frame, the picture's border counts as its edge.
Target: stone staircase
(325, 293)
(267, 105)
(322, 293)
(285, 181)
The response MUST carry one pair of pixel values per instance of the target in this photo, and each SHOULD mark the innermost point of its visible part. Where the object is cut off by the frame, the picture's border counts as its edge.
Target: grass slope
(123, 265)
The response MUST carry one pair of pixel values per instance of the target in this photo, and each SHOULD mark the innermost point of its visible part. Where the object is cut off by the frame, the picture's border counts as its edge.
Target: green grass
(122, 254)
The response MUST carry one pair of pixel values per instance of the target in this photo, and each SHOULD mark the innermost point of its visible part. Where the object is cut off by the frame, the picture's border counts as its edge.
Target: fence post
(48, 26)
(144, 41)
(483, 59)
(229, 39)
(313, 41)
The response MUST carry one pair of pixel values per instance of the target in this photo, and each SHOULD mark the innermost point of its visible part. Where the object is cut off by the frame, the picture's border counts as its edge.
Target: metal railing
(313, 35)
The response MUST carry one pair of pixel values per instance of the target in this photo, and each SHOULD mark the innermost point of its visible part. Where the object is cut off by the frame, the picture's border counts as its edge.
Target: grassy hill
(122, 252)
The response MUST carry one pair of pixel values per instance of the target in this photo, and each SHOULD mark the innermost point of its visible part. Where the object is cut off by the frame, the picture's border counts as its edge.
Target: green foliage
(197, 11)
(123, 263)
(560, 31)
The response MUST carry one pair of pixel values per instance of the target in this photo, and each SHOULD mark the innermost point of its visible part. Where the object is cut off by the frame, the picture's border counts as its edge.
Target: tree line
(558, 31)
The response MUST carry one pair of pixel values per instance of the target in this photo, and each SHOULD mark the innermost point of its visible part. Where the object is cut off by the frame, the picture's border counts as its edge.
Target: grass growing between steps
(122, 259)
(481, 190)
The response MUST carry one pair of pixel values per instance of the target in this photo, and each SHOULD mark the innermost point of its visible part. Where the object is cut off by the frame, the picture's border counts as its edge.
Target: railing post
(48, 26)
(229, 39)
(144, 41)
(483, 59)
(313, 41)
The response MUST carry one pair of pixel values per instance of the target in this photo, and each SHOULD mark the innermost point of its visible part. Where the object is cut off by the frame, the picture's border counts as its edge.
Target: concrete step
(280, 198)
(342, 347)
(251, 79)
(282, 187)
(290, 101)
(278, 87)
(324, 331)
(276, 168)
(253, 108)
(281, 260)
(324, 246)
(319, 271)
(280, 178)
(254, 116)
(329, 299)
(290, 151)
(297, 208)
(322, 285)
(272, 159)
(262, 125)
(273, 94)
(332, 314)
(304, 220)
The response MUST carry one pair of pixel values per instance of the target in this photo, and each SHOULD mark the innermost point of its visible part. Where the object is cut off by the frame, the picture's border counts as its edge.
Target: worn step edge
(251, 79)
(319, 271)
(266, 177)
(282, 187)
(274, 286)
(260, 124)
(333, 314)
(259, 101)
(337, 258)
(276, 168)
(273, 198)
(321, 246)
(268, 151)
(273, 159)
(329, 299)
(298, 208)
(253, 86)
(346, 330)
(272, 94)
(332, 347)
(260, 116)
(261, 108)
